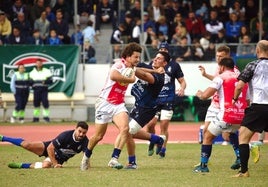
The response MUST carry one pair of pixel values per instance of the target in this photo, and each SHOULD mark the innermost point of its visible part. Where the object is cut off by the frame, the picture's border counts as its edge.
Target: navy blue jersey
(173, 72)
(146, 94)
(66, 146)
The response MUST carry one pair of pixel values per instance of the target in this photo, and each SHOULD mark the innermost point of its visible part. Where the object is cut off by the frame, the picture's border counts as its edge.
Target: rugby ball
(127, 72)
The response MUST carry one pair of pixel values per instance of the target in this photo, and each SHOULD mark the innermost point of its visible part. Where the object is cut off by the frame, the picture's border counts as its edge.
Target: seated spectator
(252, 10)
(182, 52)
(149, 36)
(23, 24)
(36, 10)
(238, 10)
(85, 11)
(214, 25)
(244, 30)
(233, 29)
(136, 32)
(147, 22)
(77, 37)
(178, 21)
(42, 24)
(53, 38)
(256, 26)
(180, 32)
(203, 11)
(16, 38)
(136, 10)
(91, 55)
(36, 38)
(89, 33)
(197, 51)
(221, 37)
(194, 26)
(155, 10)
(104, 14)
(50, 15)
(5, 27)
(116, 35)
(162, 26)
(222, 10)
(66, 9)
(61, 27)
(129, 24)
(245, 48)
(172, 11)
(205, 40)
(19, 7)
(210, 52)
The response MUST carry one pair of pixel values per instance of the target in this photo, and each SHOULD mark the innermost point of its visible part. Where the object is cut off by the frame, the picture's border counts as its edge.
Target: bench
(53, 97)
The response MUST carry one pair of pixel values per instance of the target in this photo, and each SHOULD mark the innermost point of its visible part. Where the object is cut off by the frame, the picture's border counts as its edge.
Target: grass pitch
(174, 170)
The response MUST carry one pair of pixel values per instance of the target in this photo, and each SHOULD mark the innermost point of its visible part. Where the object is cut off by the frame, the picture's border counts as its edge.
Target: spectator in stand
(172, 11)
(136, 10)
(5, 27)
(77, 37)
(162, 26)
(245, 48)
(238, 10)
(233, 29)
(90, 54)
(194, 26)
(244, 30)
(178, 21)
(36, 10)
(53, 38)
(85, 11)
(50, 15)
(182, 52)
(23, 24)
(89, 33)
(205, 40)
(214, 25)
(6, 6)
(36, 38)
(116, 35)
(147, 22)
(149, 36)
(19, 7)
(210, 52)
(197, 50)
(42, 24)
(104, 14)
(16, 38)
(222, 10)
(155, 10)
(252, 9)
(129, 24)
(65, 8)
(136, 32)
(203, 11)
(180, 32)
(61, 27)
(256, 27)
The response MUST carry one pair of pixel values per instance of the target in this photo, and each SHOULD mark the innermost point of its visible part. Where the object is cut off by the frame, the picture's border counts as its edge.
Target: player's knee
(134, 127)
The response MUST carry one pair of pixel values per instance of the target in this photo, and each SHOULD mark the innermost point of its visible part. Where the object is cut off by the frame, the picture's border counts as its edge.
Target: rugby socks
(132, 159)
(25, 165)
(163, 150)
(88, 153)
(116, 153)
(154, 138)
(244, 152)
(15, 141)
(234, 141)
(205, 154)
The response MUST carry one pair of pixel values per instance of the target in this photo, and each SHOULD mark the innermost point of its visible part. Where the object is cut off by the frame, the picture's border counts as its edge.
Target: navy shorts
(45, 154)
(142, 115)
(256, 118)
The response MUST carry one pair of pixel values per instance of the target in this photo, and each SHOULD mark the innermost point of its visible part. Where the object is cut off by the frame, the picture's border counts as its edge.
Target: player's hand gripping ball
(127, 72)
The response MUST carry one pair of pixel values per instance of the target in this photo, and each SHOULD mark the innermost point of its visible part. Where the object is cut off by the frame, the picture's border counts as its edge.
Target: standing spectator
(36, 10)
(255, 119)
(194, 26)
(155, 10)
(19, 7)
(129, 24)
(222, 11)
(23, 24)
(41, 78)
(5, 27)
(104, 14)
(136, 10)
(20, 88)
(36, 38)
(61, 27)
(110, 106)
(214, 25)
(245, 48)
(238, 10)
(16, 38)
(53, 38)
(89, 33)
(42, 24)
(233, 29)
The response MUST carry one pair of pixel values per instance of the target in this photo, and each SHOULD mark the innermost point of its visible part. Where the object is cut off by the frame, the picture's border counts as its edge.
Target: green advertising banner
(61, 60)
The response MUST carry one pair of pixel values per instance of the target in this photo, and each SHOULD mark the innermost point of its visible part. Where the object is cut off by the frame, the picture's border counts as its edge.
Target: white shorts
(218, 127)
(211, 114)
(104, 111)
(166, 114)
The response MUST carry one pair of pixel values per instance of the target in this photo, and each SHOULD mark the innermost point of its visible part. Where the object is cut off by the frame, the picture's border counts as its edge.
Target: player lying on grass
(57, 151)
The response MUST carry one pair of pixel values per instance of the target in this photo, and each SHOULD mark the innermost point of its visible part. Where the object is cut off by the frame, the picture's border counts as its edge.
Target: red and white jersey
(113, 92)
(215, 97)
(225, 84)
